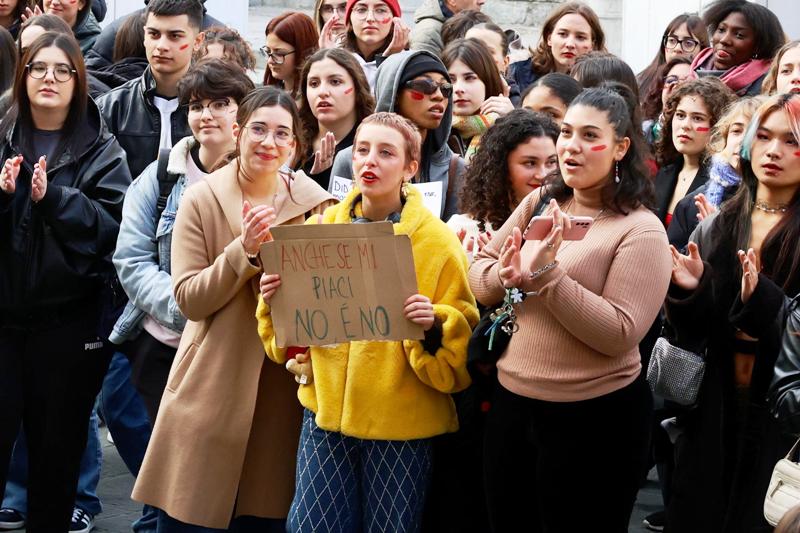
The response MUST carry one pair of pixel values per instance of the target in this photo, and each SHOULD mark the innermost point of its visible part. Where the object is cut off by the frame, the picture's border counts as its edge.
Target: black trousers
(549, 465)
(51, 368)
(151, 361)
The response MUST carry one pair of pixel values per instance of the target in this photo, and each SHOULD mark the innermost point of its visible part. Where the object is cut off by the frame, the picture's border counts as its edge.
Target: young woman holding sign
(224, 441)
(369, 418)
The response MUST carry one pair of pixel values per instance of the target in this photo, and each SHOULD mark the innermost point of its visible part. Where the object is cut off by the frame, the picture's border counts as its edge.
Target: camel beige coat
(225, 440)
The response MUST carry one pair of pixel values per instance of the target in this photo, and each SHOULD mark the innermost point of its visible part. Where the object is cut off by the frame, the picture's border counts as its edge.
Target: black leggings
(50, 375)
(549, 466)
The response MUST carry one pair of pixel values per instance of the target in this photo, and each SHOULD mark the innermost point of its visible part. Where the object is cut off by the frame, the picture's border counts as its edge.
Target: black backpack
(166, 182)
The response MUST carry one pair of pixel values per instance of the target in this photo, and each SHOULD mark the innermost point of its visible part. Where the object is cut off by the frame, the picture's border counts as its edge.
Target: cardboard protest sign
(340, 283)
(432, 196)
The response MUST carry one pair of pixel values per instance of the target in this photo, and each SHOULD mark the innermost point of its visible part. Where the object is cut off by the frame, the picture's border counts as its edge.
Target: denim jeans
(126, 417)
(241, 524)
(350, 485)
(16, 496)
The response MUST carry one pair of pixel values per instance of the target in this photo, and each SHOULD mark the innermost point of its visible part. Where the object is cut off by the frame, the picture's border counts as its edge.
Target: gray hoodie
(436, 155)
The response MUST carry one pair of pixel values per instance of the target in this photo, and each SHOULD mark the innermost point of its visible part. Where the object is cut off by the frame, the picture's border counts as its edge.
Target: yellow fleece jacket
(395, 390)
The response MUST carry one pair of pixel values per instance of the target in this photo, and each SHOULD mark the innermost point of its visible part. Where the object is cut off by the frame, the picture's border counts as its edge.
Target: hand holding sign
(269, 284)
(419, 310)
(255, 226)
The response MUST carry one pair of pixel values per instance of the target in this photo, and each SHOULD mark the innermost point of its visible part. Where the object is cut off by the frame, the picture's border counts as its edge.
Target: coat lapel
(229, 196)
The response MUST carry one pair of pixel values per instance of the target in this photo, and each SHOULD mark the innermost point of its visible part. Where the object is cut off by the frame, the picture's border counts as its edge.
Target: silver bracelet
(539, 271)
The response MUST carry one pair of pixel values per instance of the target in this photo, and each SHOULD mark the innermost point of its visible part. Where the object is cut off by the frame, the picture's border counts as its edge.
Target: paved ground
(119, 511)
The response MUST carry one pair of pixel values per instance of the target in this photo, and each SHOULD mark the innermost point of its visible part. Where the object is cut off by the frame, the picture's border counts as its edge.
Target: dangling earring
(404, 190)
(616, 172)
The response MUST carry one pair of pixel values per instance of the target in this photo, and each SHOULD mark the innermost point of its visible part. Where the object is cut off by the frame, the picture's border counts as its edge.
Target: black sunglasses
(429, 87)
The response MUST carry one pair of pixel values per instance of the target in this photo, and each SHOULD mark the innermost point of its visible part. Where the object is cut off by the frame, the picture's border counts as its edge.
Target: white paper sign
(431, 193)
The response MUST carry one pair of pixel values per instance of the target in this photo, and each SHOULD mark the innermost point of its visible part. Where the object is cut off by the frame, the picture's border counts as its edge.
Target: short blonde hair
(744, 106)
(402, 125)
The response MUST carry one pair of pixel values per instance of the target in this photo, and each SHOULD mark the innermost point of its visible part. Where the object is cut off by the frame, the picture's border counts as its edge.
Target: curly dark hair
(635, 188)
(766, 26)
(716, 96)
(487, 195)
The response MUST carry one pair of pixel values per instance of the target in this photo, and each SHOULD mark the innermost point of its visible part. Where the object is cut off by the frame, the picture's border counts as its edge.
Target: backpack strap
(166, 181)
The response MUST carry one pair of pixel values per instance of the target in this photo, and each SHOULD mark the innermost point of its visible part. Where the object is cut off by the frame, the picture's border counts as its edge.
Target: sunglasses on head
(429, 87)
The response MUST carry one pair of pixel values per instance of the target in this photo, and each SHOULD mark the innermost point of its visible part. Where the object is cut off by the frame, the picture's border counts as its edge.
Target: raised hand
(323, 158)
(29, 13)
(256, 222)
(497, 104)
(9, 173)
(704, 207)
(686, 269)
(749, 263)
(39, 180)
(327, 37)
(510, 261)
(419, 310)
(399, 37)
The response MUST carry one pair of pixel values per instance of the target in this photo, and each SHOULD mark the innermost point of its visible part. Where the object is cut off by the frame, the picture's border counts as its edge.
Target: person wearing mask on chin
(145, 114)
(429, 18)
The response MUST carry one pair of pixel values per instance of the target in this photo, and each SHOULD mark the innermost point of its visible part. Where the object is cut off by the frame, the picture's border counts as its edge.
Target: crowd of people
(584, 212)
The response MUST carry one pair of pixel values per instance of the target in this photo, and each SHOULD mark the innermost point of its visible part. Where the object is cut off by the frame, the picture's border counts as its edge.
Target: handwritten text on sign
(431, 193)
(340, 283)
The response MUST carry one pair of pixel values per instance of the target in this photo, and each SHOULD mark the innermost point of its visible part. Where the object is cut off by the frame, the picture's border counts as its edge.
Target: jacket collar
(306, 195)
(413, 215)
(179, 154)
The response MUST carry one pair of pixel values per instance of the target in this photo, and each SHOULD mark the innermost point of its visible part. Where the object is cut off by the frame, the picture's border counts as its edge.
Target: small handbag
(674, 373)
(784, 488)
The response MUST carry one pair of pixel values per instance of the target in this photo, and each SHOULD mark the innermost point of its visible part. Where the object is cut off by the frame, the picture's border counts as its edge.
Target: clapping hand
(704, 207)
(9, 173)
(399, 37)
(256, 222)
(39, 180)
(29, 13)
(686, 269)
(327, 37)
(323, 158)
(749, 263)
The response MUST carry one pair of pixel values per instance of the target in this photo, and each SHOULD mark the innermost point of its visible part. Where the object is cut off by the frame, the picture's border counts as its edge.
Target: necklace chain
(762, 205)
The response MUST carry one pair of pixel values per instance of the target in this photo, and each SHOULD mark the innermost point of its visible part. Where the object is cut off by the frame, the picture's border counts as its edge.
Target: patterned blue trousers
(349, 485)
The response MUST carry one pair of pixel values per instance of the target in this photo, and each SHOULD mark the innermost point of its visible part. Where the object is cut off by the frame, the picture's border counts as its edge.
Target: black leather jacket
(784, 391)
(136, 122)
(57, 251)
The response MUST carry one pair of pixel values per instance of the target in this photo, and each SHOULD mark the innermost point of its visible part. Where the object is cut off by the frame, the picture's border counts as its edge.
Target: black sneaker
(655, 521)
(82, 522)
(11, 519)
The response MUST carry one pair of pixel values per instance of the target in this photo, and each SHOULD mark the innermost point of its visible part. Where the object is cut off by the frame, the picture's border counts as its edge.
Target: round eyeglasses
(61, 72)
(217, 108)
(258, 133)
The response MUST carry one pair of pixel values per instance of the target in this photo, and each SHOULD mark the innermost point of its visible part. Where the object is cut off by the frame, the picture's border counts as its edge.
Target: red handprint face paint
(598, 148)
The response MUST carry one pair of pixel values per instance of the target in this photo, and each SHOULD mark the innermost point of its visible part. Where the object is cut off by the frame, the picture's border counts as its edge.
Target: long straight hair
(298, 30)
(20, 112)
(780, 253)
(543, 60)
(477, 58)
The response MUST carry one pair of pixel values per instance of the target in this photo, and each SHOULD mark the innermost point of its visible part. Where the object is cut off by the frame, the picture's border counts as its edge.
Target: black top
(45, 143)
(667, 180)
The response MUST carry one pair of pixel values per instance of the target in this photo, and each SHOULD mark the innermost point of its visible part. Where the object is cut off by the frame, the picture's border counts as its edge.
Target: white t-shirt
(166, 107)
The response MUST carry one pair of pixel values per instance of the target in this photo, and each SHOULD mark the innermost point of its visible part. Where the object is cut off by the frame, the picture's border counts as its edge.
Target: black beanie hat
(420, 64)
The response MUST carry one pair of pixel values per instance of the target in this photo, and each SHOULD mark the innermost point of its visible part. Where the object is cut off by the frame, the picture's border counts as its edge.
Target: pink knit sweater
(578, 339)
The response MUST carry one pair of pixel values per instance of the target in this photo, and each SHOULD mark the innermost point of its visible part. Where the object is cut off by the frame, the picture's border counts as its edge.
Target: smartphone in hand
(540, 226)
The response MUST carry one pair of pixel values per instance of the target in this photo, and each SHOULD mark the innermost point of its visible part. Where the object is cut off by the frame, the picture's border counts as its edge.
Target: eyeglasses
(258, 133)
(328, 10)
(277, 57)
(61, 72)
(688, 44)
(217, 108)
(429, 87)
(379, 13)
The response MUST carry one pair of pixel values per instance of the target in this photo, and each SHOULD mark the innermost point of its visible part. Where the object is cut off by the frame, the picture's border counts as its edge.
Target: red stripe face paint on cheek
(702, 129)
(416, 95)
(348, 90)
(184, 47)
(385, 21)
(797, 153)
(598, 148)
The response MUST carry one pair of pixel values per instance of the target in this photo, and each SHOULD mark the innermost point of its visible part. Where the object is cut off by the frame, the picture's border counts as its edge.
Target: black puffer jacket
(58, 250)
(131, 116)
